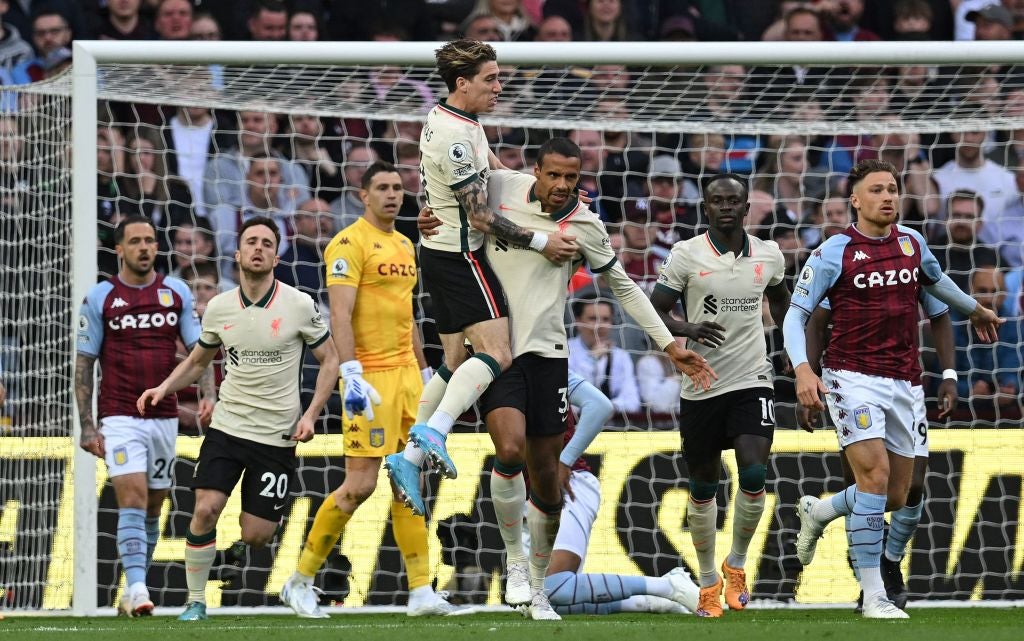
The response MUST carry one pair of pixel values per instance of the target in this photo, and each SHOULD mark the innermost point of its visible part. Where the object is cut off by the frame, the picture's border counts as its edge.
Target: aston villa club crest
(165, 297)
(376, 437)
(906, 245)
(862, 416)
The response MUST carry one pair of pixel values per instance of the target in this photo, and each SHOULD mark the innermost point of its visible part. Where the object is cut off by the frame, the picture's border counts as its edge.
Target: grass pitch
(929, 624)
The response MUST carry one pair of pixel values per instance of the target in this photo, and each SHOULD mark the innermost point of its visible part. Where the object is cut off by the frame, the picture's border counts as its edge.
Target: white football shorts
(578, 516)
(864, 407)
(920, 423)
(140, 445)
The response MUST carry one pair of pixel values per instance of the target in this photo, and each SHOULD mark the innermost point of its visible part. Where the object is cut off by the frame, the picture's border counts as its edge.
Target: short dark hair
(906, 9)
(266, 221)
(377, 167)
(870, 166)
(966, 194)
(796, 11)
(592, 297)
(196, 271)
(727, 176)
(271, 6)
(133, 219)
(561, 146)
(462, 59)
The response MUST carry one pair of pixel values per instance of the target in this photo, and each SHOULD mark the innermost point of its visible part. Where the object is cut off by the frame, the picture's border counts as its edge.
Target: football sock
(569, 588)
(747, 511)
(508, 496)
(866, 524)
(593, 608)
(132, 543)
(468, 382)
(329, 523)
(411, 536)
(433, 392)
(849, 548)
(152, 536)
(841, 504)
(902, 524)
(542, 521)
(701, 517)
(200, 550)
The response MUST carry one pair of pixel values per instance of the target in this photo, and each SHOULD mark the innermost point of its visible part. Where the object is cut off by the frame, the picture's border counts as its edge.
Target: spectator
(307, 150)
(13, 50)
(638, 237)
(173, 20)
(204, 282)
(659, 383)
(678, 28)
(589, 141)
(912, 20)
(512, 21)
(554, 29)
(268, 20)
(673, 206)
(958, 249)
(192, 245)
(204, 27)
(969, 169)
(792, 250)
(165, 199)
(989, 372)
(845, 18)
(625, 163)
(190, 140)
(110, 166)
(351, 20)
(302, 265)
(593, 356)
(123, 22)
(836, 215)
(303, 27)
(604, 21)
(992, 21)
(15, 178)
(348, 207)
(50, 32)
(262, 198)
(963, 29)
(223, 182)
(788, 177)
(482, 27)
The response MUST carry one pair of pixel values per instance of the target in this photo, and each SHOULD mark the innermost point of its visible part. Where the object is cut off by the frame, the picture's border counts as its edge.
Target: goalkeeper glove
(358, 396)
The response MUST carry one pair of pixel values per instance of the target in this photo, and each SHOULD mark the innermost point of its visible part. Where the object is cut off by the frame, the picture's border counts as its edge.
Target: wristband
(949, 374)
(539, 241)
(426, 373)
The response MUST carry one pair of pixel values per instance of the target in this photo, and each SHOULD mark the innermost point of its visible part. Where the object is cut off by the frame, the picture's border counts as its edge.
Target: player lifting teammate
(131, 323)
(263, 326)
(467, 298)
(723, 275)
(872, 274)
(371, 275)
(526, 407)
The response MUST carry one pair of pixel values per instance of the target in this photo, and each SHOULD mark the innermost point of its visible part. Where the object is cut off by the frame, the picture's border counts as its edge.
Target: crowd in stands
(200, 172)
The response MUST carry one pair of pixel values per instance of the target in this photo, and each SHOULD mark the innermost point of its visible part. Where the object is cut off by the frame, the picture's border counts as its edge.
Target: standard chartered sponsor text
(740, 304)
(260, 356)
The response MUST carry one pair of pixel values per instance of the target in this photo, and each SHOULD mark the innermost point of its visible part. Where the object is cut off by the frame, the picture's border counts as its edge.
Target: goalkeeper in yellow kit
(371, 275)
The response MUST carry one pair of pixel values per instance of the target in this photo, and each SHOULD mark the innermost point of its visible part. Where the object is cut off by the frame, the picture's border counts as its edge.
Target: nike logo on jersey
(706, 273)
(859, 255)
(278, 507)
(767, 424)
(118, 302)
(227, 327)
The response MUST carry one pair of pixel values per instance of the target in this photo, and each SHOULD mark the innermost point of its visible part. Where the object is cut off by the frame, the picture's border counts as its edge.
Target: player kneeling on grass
(264, 327)
(371, 275)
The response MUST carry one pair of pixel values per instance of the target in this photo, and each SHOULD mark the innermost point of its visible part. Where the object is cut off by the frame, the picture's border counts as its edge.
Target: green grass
(929, 624)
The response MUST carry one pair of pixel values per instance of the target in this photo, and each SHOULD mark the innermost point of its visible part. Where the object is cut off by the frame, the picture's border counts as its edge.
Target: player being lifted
(264, 326)
(903, 522)
(872, 274)
(467, 298)
(131, 323)
(371, 275)
(723, 276)
(526, 407)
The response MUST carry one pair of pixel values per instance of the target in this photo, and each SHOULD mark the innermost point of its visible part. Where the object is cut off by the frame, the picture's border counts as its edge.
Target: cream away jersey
(535, 288)
(718, 286)
(263, 342)
(453, 153)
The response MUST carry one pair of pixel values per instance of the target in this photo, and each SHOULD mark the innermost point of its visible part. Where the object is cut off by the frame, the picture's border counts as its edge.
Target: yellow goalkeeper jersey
(382, 266)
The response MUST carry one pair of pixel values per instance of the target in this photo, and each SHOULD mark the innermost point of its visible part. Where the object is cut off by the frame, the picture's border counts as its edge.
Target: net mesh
(650, 138)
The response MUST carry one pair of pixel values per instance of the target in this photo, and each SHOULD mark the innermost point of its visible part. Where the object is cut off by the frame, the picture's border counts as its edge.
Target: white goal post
(93, 78)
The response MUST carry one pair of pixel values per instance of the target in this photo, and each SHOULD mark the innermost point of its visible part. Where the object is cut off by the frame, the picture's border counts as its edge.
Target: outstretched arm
(183, 375)
(91, 440)
(706, 333)
(809, 387)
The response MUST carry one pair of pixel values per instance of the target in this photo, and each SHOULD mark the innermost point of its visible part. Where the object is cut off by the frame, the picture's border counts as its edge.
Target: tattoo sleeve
(208, 384)
(473, 199)
(83, 390)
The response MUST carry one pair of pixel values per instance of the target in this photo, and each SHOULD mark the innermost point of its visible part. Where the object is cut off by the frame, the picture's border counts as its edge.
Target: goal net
(175, 133)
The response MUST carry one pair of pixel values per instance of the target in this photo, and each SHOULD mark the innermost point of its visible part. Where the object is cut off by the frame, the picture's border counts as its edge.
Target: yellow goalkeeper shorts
(400, 390)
